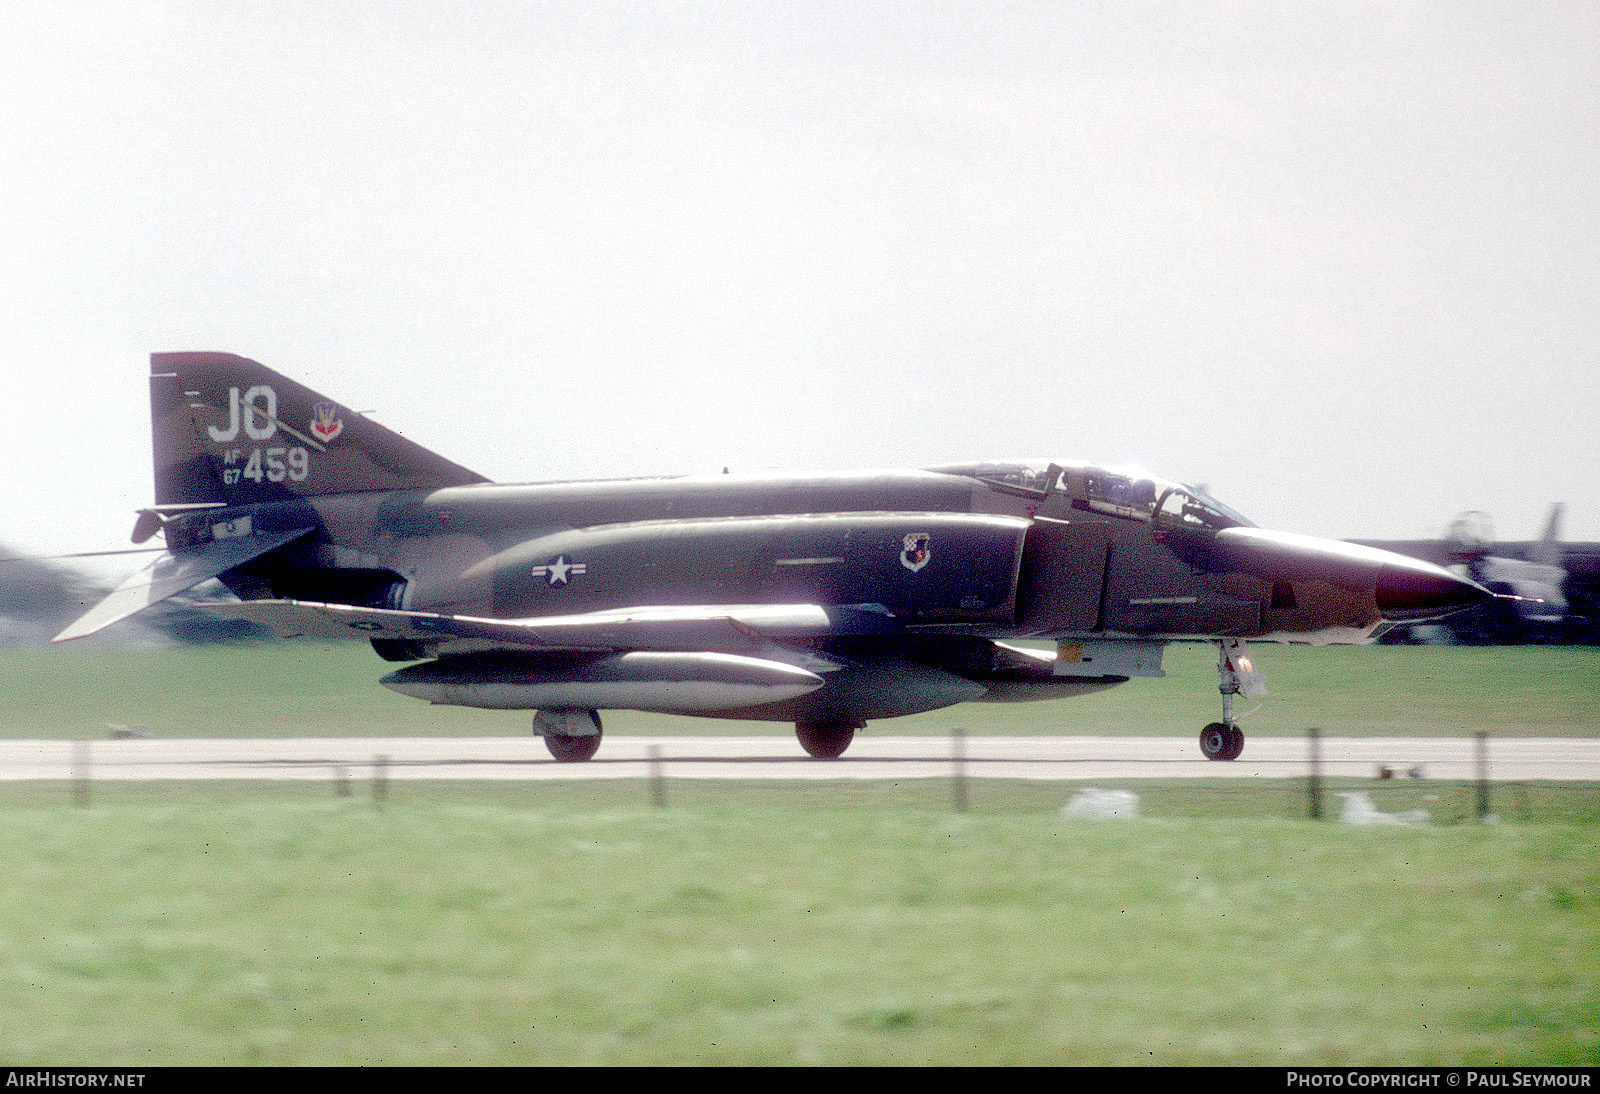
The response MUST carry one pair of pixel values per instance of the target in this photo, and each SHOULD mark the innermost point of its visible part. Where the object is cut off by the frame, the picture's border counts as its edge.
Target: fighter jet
(824, 600)
(1529, 581)
(1532, 586)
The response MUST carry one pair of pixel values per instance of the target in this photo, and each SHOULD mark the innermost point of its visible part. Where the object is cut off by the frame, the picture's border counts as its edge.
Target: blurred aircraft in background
(1546, 590)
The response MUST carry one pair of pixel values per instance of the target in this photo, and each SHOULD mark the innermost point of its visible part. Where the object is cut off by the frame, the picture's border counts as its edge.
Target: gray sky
(1340, 262)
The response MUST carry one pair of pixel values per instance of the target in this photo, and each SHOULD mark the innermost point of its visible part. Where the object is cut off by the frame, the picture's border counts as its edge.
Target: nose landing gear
(1221, 741)
(1236, 675)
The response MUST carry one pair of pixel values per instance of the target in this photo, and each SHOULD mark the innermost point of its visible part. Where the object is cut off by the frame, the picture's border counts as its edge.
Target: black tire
(1219, 741)
(825, 740)
(572, 749)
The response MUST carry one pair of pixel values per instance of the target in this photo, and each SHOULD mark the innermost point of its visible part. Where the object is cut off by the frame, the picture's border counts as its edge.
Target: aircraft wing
(173, 572)
(672, 627)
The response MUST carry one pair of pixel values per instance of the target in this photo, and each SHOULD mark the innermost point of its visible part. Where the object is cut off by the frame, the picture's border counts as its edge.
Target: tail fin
(227, 429)
(1548, 549)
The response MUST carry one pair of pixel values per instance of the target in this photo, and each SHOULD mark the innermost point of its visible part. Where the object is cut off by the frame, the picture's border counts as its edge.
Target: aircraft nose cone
(1409, 594)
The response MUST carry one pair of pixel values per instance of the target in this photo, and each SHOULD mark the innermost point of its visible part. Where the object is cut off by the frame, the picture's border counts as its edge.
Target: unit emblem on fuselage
(916, 553)
(325, 422)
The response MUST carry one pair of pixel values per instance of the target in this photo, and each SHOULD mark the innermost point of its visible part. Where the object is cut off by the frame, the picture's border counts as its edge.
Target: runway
(780, 757)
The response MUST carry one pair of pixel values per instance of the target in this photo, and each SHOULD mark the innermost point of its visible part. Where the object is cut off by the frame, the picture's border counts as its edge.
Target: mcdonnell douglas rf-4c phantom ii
(824, 600)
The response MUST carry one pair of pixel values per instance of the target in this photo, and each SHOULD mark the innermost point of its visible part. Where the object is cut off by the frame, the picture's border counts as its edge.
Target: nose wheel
(1236, 675)
(1221, 741)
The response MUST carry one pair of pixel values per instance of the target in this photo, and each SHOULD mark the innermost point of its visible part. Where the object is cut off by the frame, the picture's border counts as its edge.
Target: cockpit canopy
(1120, 492)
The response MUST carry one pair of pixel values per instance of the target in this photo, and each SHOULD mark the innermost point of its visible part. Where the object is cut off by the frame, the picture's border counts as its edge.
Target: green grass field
(296, 689)
(777, 925)
(241, 923)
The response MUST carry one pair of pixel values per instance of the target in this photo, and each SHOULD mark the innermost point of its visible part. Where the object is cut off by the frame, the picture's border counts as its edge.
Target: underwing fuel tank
(675, 683)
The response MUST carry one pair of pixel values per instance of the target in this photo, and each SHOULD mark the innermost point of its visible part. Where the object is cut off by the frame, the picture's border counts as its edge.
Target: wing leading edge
(725, 628)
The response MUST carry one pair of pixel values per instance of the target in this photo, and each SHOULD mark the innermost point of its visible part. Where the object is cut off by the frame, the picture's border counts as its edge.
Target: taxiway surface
(780, 757)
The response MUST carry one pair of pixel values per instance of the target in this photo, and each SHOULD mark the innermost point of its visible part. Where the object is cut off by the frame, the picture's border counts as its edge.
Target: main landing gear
(572, 736)
(1236, 675)
(826, 740)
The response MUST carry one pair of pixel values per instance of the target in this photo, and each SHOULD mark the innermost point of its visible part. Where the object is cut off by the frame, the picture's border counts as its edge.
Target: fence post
(658, 785)
(1314, 779)
(958, 764)
(1483, 775)
(380, 778)
(80, 773)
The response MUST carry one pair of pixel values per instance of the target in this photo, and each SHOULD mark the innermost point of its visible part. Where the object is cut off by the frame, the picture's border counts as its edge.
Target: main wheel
(1220, 741)
(564, 736)
(569, 749)
(825, 740)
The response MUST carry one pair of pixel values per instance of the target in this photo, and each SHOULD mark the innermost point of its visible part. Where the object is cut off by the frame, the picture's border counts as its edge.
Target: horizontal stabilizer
(713, 627)
(172, 573)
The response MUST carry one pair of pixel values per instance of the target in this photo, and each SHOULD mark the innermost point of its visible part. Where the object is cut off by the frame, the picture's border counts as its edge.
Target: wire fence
(1388, 796)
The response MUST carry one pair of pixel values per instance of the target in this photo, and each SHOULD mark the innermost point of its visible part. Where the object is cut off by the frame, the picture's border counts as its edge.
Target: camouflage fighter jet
(824, 600)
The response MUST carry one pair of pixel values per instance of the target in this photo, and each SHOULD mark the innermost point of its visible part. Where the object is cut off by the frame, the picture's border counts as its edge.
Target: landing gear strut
(1236, 675)
(826, 740)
